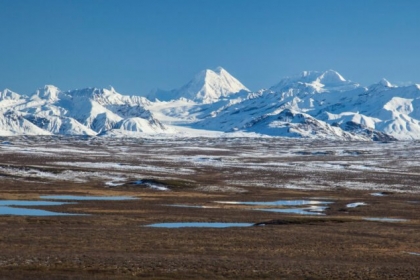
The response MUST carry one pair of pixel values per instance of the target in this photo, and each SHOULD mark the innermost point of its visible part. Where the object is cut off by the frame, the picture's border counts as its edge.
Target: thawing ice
(355, 204)
(116, 182)
(154, 186)
(378, 194)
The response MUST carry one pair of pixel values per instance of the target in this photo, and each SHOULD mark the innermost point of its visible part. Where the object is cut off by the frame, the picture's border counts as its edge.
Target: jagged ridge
(321, 105)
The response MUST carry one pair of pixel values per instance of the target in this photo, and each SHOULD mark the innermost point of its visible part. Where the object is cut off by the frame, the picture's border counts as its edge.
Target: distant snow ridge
(89, 111)
(206, 87)
(313, 104)
(316, 81)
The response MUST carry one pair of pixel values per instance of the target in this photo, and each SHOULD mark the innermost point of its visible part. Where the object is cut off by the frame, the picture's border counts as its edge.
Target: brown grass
(112, 242)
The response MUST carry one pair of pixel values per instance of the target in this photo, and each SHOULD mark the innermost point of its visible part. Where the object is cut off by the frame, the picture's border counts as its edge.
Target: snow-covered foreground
(214, 164)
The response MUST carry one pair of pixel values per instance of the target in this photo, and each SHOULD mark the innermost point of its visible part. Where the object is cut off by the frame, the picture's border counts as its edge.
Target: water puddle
(82, 197)
(313, 210)
(355, 204)
(391, 220)
(199, 225)
(414, 253)
(30, 203)
(8, 207)
(6, 210)
(277, 203)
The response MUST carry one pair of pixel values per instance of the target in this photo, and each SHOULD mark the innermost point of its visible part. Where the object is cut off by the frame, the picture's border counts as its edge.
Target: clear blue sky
(137, 45)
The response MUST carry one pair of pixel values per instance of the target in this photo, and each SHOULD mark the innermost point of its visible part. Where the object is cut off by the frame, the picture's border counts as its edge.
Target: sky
(139, 45)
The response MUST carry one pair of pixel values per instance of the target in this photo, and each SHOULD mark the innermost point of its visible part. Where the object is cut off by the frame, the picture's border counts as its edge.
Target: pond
(378, 194)
(6, 210)
(8, 207)
(30, 203)
(313, 210)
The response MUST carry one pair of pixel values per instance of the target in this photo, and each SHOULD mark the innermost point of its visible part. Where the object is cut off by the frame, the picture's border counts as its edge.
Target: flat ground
(113, 241)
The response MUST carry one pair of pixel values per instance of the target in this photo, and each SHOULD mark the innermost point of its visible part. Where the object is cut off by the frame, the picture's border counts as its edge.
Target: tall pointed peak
(207, 86)
(219, 70)
(212, 86)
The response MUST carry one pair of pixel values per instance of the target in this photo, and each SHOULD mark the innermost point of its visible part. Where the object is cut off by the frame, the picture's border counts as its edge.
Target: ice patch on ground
(355, 204)
(150, 185)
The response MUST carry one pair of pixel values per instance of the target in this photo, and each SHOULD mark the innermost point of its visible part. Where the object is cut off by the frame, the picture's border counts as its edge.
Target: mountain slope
(324, 96)
(12, 124)
(78, 112)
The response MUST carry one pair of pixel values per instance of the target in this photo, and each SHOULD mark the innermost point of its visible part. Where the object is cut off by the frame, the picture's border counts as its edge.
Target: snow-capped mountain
(327, 97)
(89, 111)
(208, 86)
(319, 105)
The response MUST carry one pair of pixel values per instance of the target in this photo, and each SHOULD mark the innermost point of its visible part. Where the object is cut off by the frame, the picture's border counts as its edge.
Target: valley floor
(358, 208)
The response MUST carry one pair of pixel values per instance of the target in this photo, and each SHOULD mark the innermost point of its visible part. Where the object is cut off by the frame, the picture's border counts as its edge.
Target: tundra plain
(358, 208)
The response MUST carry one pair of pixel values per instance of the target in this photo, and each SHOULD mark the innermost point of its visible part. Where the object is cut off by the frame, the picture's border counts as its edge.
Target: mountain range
(313, 104)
